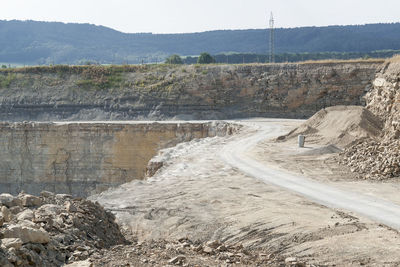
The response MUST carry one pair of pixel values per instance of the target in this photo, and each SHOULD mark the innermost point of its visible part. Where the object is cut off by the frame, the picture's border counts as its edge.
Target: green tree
(3, 66)
(174, 59)
(205, 58)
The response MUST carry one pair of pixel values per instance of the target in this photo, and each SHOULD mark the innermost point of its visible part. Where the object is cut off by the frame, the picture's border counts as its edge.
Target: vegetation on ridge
(30, 42)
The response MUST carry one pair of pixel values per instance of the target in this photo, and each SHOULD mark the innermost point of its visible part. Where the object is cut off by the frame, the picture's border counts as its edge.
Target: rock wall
(187, 92)
(85, 158)
(384, 99)
(379, 158)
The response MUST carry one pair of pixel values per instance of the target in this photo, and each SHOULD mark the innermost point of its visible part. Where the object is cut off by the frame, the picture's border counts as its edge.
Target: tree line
(32, 42)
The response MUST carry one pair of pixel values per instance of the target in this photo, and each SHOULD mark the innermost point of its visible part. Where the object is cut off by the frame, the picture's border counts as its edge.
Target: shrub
(205, 58)
(174, 59)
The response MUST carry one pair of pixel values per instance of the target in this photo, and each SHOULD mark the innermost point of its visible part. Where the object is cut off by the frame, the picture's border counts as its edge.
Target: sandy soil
(196, 195)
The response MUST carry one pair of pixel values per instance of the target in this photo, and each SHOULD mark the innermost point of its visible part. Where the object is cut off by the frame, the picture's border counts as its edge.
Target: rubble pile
(185, 252)
(53, 229)
(371, 159)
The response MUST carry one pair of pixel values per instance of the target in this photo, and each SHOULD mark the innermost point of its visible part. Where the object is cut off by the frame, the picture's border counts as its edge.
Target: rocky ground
(371, 159)
(185, 252)
(52, 230)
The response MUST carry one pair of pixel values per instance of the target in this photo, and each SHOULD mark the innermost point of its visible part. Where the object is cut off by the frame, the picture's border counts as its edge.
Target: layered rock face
(380, 158)
(188, 92)
(85, 158)
(384, 99)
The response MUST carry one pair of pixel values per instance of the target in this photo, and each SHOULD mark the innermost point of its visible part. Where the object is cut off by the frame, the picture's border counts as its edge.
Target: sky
(181, 16)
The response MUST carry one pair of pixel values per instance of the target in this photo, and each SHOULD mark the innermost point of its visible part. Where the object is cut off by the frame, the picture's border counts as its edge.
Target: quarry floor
(199, 195)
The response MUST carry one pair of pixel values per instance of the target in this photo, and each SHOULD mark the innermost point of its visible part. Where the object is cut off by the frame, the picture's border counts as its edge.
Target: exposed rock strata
(188, 92)
(379, 158)
(83, 158)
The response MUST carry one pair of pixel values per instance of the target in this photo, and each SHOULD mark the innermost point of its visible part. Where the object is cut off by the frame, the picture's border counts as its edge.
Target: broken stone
(208, 250)
(6, 214)
(15, 210)
(30, 201)
(9, 200)
(85, 263)
(213, 244)
(69, 206)
(26, 234)
(177, 260)
(11, 243)
(290, 260)
(25, 215)
(46, 194)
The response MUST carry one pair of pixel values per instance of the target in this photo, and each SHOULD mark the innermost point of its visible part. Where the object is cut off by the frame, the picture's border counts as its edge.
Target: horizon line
(196, 32)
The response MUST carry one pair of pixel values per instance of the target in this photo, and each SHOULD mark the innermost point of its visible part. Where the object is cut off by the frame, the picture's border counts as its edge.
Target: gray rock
(208, 250)
(26, 234)
(213, 244)
(25, 215)
(6, 214)
(290, 260)
(177, 260)
(9, 200)
(15, 210)
(47, 194)
(30, 201)
(85, 263)
(69, 206)
(11, 243)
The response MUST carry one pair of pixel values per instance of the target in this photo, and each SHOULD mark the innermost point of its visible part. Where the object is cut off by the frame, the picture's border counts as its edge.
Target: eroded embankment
(84, 158)
(188, 92)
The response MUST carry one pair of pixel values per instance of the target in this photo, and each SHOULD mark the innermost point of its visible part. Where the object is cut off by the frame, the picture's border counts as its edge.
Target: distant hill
(32, 42)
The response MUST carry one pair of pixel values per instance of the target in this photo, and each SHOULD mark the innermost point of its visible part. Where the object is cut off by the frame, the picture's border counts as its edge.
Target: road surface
(234, 153)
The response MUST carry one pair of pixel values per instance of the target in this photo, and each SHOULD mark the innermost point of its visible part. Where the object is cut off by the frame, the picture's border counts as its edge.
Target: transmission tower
(271, 39)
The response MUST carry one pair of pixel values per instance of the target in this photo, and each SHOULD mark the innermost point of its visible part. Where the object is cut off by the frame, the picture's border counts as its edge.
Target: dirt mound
(339, 125)
(52, 230)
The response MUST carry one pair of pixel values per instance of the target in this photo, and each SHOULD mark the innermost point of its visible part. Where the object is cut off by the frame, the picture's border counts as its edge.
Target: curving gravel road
(374, 208)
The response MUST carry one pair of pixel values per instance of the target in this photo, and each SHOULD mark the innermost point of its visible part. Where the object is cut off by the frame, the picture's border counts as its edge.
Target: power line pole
(271, 39)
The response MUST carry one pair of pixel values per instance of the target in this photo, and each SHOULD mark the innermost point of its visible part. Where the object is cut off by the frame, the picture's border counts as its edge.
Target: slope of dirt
(338, 125)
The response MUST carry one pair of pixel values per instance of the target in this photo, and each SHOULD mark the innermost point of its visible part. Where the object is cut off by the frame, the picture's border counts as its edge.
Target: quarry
(199, 165)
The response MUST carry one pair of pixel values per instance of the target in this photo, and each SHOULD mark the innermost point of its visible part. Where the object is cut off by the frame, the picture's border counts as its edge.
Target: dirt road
(375, 208)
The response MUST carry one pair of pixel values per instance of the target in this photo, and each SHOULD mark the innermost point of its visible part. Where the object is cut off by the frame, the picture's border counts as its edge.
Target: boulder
(30, 201)
(26, 234)
(11, 243)
(7, 216)
(46, 194)
(69, 206)
(25, 215)
(9, 200)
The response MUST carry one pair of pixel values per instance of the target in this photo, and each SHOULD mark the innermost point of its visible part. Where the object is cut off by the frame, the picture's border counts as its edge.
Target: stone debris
(185, 252)
(375, 160)
(53, 230)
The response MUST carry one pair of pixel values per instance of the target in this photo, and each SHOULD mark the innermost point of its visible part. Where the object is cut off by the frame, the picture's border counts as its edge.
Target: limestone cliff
(384, 99)
(380, 158)
(195, 91)
(83, 158)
